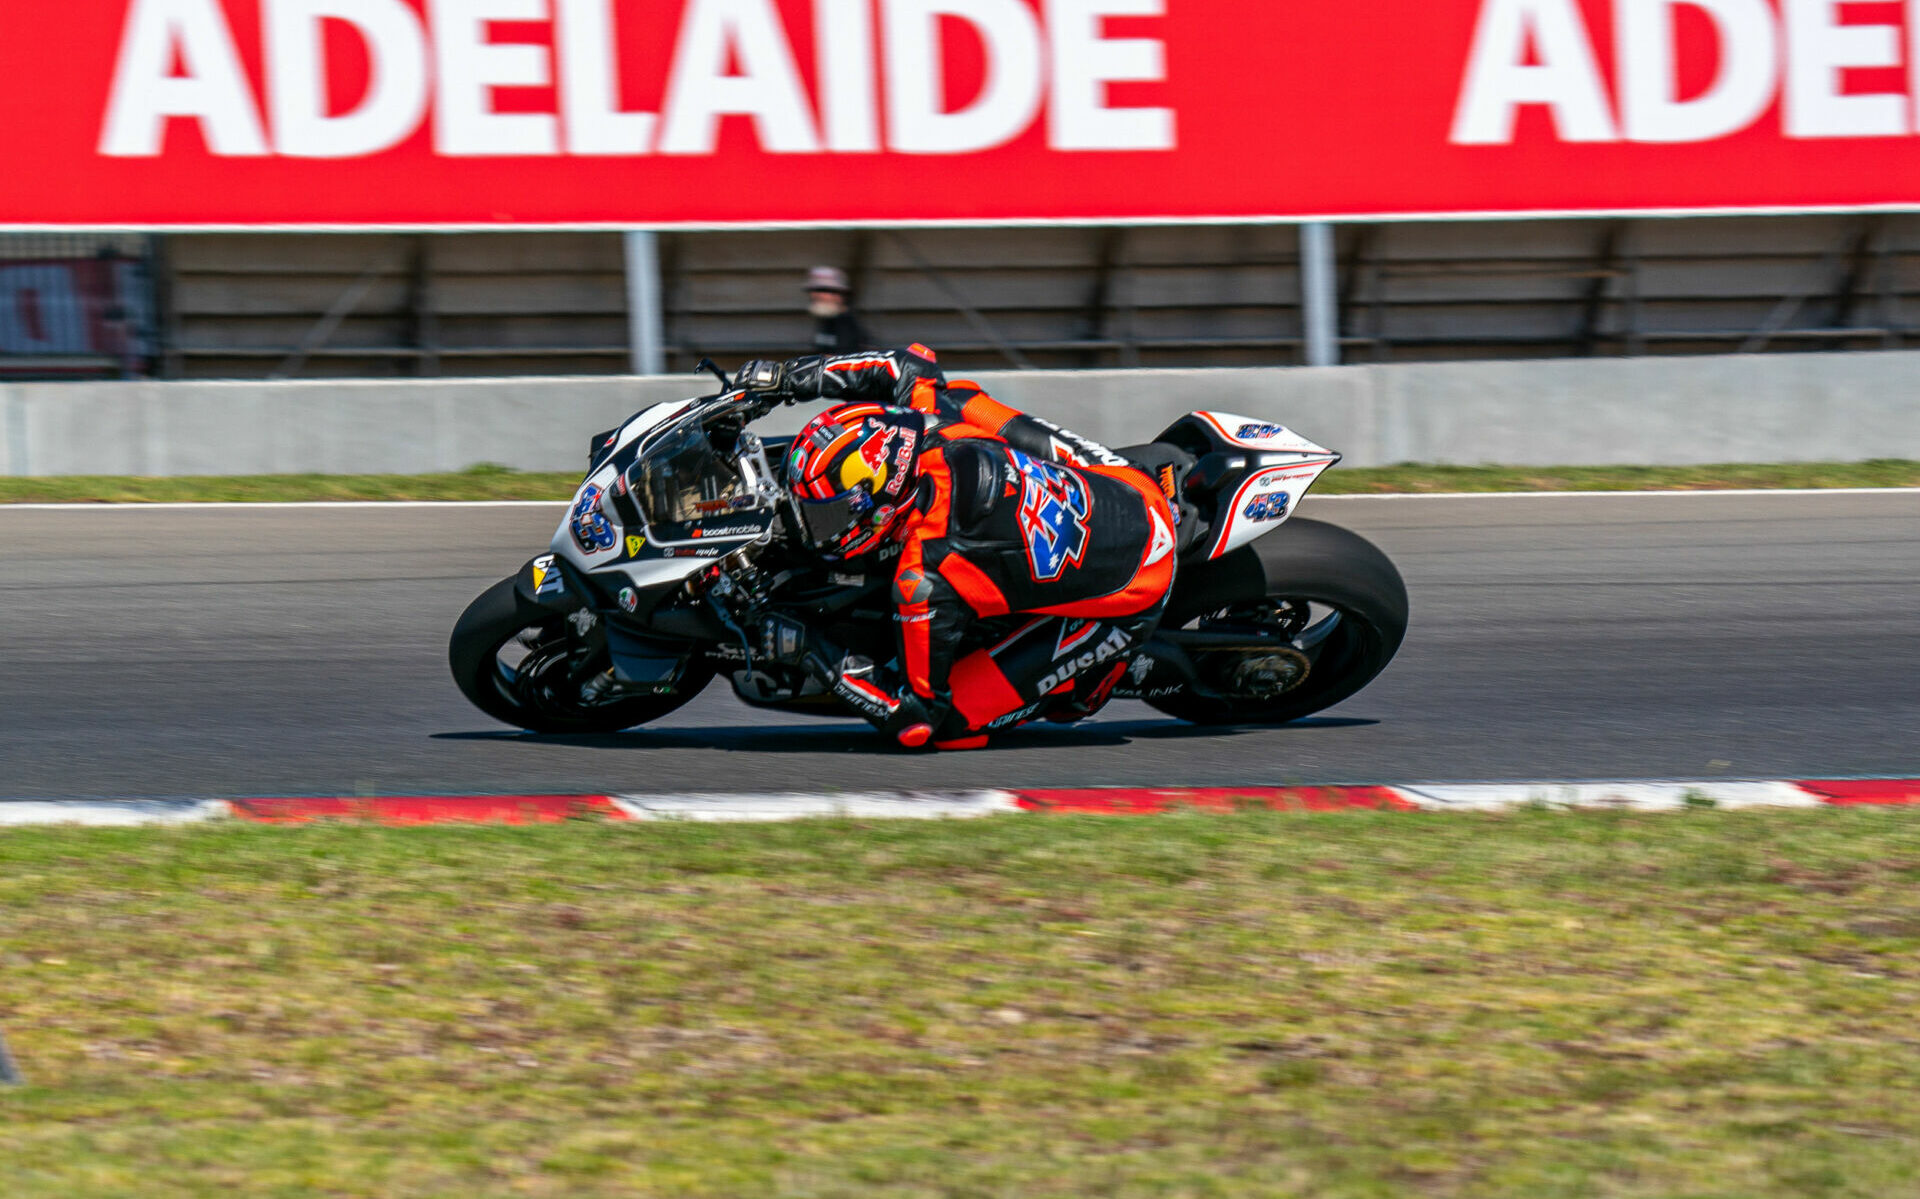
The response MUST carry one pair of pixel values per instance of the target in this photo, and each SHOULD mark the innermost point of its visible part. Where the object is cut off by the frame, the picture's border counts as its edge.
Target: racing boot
(895, 711)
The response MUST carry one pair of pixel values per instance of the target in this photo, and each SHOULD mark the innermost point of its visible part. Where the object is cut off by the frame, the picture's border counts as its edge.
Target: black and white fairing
(1252, 473)
(665, 498)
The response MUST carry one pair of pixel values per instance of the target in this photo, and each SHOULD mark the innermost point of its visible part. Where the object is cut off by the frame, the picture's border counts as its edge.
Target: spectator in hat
(835, 330)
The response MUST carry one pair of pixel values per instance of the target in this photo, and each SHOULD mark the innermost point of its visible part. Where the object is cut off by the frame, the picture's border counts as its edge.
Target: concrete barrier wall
(1668, 411)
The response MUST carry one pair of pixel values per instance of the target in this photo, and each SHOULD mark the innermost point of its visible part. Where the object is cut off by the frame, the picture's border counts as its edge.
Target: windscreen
(681, 478)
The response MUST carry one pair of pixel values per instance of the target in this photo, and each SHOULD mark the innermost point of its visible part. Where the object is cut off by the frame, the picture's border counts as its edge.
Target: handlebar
(756, 404)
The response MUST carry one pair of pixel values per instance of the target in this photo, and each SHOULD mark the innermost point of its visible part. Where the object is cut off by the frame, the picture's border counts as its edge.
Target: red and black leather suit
(1014, 517)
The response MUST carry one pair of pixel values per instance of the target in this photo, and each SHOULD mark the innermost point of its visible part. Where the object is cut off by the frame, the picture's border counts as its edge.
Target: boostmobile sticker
(458, 112)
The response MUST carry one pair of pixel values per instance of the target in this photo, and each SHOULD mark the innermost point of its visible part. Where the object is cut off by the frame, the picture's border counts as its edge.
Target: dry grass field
(1537, 1004)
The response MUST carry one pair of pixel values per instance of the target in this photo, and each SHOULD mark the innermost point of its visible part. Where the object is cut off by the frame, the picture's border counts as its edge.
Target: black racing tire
(1301, 560)
(501, 614)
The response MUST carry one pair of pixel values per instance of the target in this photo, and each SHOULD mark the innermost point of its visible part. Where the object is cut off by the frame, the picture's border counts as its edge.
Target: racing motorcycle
(681, 538)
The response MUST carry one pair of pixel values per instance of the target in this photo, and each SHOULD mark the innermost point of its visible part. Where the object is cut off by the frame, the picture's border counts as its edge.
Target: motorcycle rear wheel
(499, 616)
(1307, 562)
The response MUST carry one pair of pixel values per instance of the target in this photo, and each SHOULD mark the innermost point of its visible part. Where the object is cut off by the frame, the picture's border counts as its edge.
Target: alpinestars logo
(1054, 505)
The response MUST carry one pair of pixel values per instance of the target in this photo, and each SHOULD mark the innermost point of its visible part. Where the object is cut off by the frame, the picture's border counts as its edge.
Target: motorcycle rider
(995, 513)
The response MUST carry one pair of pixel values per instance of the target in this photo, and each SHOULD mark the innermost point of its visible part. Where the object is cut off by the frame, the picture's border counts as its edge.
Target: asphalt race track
(301, 650)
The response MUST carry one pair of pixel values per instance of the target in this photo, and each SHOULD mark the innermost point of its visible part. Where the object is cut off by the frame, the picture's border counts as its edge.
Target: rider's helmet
(853, 473)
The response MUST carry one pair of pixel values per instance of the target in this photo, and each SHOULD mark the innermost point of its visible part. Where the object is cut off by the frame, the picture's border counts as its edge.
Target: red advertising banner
(157, 113)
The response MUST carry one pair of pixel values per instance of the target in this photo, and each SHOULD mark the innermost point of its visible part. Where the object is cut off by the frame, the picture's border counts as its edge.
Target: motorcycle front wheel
(1305, 616)
(521, 664)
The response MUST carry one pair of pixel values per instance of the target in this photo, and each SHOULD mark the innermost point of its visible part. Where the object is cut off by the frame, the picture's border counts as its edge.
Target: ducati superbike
(681, 539)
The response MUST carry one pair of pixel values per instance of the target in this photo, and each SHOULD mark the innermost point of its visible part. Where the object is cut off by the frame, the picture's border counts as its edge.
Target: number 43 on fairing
(1271, 506)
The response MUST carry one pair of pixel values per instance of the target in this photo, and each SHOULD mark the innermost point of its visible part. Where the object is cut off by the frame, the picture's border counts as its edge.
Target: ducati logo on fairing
(545, 577)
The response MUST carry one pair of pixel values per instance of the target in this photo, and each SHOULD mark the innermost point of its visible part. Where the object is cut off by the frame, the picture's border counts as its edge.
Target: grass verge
(1531, 1004)
(498, 483)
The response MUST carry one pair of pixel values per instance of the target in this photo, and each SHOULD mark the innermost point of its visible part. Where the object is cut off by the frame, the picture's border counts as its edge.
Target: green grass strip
(1703, 1004)
(498, 483)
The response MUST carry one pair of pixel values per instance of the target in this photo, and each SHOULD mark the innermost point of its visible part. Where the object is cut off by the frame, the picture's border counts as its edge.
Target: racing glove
(768, 378)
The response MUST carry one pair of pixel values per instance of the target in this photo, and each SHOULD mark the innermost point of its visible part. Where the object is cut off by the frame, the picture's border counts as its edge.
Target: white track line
(796, 806)
(112, 813)
(1645, 797)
